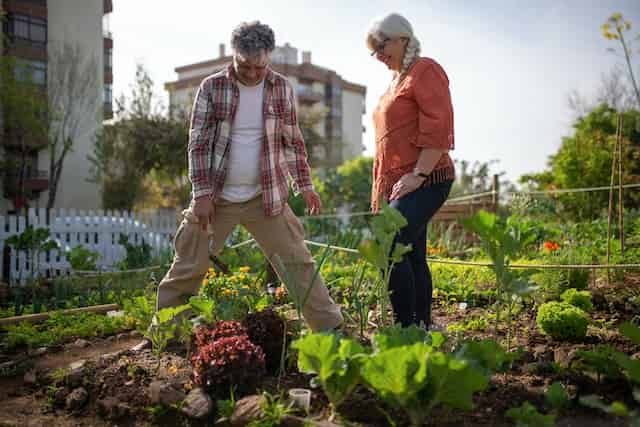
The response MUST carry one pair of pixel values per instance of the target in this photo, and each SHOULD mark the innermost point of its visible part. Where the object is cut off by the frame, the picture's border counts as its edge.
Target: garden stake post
(620, 199)
(610, 211)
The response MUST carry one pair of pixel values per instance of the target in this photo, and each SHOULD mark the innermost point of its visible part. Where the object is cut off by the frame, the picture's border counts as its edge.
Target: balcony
(33, 143)
(35, 181)
(307, 95)
(107, 6)
(107, 111)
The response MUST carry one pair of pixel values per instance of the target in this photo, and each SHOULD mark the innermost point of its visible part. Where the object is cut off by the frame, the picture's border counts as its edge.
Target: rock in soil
(76, 373)
(163, 392)
(247, 409)
(77, 398)
(112, 409)
(197, 404)
(38, 352)
(80, 343)
(30, 378)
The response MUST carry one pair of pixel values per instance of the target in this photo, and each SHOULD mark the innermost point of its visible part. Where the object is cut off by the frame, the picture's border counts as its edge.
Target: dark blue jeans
(410, 284)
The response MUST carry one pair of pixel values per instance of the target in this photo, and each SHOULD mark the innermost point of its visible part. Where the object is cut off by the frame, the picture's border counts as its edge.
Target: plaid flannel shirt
(283, 151)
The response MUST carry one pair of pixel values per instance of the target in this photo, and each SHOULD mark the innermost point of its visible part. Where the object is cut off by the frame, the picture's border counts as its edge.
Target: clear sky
(511, 63)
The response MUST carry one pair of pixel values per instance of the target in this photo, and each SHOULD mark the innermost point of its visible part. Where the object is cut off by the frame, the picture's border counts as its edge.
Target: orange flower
(434, 251)
(280, 292)
(551, 246)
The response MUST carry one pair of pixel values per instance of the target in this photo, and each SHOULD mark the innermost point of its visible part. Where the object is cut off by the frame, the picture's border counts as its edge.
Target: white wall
(352, 103)
(78, 22)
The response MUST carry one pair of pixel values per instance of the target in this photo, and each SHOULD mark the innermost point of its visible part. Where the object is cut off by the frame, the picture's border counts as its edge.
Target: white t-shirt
(242, 182)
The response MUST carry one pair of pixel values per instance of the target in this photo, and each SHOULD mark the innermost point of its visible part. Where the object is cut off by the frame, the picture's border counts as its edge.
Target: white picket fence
(97, 231)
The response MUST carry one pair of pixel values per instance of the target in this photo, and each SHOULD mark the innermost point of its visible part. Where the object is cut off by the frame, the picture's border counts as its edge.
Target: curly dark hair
(251, 37)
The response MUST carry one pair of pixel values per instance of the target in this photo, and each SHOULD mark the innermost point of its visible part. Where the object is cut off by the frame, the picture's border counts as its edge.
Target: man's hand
(406, 185)
(312, 200)
(203, 210)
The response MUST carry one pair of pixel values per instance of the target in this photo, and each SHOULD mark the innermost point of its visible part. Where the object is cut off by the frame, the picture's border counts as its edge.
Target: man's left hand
(312, 200)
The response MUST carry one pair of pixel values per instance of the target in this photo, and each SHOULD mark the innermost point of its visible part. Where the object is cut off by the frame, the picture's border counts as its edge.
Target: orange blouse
(416, 114)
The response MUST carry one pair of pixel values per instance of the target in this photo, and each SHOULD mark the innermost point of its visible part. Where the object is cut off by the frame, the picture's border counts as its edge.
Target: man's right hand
(203, 210)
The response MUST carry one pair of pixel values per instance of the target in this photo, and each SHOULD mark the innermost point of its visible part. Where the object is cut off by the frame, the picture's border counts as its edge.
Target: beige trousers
(281, 235)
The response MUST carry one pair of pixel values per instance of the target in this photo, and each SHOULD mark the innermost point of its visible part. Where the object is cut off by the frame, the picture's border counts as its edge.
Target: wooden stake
(610, 213)
(620, 191)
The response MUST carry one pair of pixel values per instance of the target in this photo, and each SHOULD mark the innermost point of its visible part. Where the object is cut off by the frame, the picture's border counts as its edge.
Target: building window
(27, 28)
(31, 71)
(108, 94)
(108, 59)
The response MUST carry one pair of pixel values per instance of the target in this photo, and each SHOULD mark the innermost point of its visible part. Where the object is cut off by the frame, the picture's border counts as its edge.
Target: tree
(140, 161)
(23, 111)
(584, 160)
(74, 99)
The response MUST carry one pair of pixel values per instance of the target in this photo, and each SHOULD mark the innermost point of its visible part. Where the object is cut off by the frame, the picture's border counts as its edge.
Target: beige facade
(38, 31)
(319, 90)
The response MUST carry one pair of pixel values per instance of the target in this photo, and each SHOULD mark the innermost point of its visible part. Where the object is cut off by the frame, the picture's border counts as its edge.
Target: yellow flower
(244, 269)
(242, 276)
(173, 370)
(204, 282)
(616, 16)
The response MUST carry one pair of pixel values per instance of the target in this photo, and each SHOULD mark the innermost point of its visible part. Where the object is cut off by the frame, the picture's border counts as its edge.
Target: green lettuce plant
(417, 378)
(562, 321)
(527, 415)
(335, 361)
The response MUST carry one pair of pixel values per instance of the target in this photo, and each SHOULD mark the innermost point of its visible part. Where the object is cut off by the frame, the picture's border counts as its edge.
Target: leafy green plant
(616, 408)
(204, 307)
(503, 239)
(562, 321)
(398, 336)
(557, 397)
(527, 415)
(336, 362)
(486, 356)
(227, 406)
(273, 411)
(601, 361)
(81, 258)
(142, 310)
(380, 252)
(32, 241)
(417, 378)
(580, 299)
(163, 329)
(137, 256)
(59, 328)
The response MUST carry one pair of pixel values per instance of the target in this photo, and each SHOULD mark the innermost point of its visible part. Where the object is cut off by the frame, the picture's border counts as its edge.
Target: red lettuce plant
(266, 329)
(222, 329)
(229, 361)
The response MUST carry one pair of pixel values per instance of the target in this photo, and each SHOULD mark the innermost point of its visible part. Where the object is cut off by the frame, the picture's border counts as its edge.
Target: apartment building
(320, 90)
(35, 32)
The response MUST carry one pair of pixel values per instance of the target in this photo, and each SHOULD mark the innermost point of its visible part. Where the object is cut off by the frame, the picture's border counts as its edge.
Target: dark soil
(115, 373)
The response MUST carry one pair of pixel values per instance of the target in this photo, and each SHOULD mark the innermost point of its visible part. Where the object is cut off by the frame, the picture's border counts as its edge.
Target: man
(244, 142)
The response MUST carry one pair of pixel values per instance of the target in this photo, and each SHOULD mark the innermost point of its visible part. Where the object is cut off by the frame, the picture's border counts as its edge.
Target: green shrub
(82, 258)
(562, 321)
(580, 299)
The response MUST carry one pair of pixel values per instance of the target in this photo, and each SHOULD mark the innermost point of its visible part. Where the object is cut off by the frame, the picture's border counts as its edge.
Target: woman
(413, 124)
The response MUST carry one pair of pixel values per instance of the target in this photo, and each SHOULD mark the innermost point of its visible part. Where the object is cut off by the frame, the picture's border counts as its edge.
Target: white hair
(395, 25)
